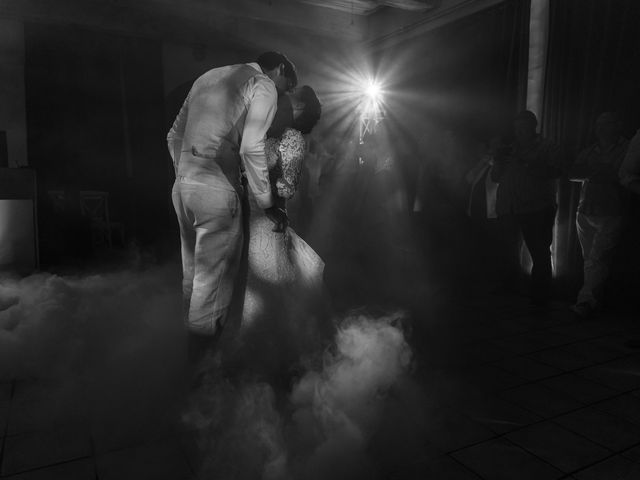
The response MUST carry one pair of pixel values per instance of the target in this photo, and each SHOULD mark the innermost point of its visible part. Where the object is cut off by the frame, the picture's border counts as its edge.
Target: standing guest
(630, 169)
(630, 177)
(483, 190)
(217, 139)
(600, 211)
(525, 201)
(481, 208)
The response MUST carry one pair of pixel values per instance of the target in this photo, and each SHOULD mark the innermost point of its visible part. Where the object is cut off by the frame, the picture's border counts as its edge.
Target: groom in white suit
(216, 139)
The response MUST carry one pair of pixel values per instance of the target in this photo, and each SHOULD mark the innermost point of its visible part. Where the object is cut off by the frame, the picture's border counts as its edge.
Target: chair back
(95, 205)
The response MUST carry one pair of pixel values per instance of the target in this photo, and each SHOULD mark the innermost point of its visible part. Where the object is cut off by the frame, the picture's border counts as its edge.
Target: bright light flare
(371, 101)
(373, 91)
(352, 88)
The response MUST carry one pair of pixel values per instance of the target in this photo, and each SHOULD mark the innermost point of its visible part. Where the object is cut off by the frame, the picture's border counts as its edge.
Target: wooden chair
(95, 206)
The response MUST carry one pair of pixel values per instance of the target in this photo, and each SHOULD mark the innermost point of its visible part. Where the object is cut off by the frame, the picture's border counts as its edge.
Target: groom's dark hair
(270, 60)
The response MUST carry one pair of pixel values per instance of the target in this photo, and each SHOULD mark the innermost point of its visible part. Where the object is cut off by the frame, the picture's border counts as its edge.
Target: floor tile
(541, 400)
(483, 352)
(4, 417)
(444, 468)
(31, 417)
(35, 390)
(582, 331)
(5, 393)
(39, 449)
(615, 342)
(112, 433)
(625, 406)
(490, 378)
(156, 461)
(580, 388)
(614, 468)
(631, 361)
(189, 443)
(477, 332)
(560, 314)
(555, 339)
(516, 325)
(523, 344)
(450, 430)
(502, 460)
(576, 331)
(616, 374)
(632, 454)
(527, 368)
(561, 448)
(448, 469)
(499, 415)
(34, 416)
(596, 353)
(597, 328)
(600, 427)
(560, 358)
(396, 427)
(77, 470)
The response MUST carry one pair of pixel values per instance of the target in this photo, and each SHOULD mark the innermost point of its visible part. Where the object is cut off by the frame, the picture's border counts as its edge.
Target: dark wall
(95, 121)
(593, 66)
(4, 151)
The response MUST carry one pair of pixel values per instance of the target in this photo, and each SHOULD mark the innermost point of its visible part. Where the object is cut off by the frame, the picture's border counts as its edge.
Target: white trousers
(598, 237)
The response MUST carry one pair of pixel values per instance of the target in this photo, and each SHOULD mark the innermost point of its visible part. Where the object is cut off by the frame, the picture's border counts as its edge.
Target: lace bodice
(284, 158)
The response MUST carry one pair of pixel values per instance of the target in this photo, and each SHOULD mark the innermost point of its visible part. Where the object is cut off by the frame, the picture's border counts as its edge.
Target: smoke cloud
(323, 428)
(51, 326)
(117, 340)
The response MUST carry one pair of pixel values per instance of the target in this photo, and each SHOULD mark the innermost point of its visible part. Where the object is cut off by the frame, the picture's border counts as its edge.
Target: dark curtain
(95, 119)
(449, 91)
(467, 75)
(593, 66)
(466, 79)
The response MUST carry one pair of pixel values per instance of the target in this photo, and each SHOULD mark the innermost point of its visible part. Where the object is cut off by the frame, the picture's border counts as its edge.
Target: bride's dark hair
(311, 111)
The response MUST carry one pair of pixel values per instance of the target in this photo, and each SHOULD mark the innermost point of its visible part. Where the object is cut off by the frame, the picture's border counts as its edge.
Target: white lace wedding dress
(285, 318)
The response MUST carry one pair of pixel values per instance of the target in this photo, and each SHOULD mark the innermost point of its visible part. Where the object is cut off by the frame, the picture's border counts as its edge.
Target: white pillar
(538, 39)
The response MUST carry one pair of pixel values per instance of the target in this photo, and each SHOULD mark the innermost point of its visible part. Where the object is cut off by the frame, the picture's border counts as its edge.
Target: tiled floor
(511, 393)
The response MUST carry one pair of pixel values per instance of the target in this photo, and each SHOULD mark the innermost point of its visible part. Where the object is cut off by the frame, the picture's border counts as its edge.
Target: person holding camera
(525, 172)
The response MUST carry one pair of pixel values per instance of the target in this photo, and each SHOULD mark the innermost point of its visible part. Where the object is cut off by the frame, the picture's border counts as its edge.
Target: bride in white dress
(285, 318)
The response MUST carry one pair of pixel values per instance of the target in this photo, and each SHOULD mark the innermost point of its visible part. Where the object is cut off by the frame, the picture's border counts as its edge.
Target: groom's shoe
(197, 346)
(200, 357)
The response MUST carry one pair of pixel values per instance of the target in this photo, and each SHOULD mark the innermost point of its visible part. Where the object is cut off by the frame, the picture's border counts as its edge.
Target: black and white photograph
(319, 239)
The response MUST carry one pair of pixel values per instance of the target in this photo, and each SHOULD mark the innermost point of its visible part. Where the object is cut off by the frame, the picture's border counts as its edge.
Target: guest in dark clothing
(601, 208)
(630, 177)
(525, 172)
(488, 249)
(630, 169)
(482, 192)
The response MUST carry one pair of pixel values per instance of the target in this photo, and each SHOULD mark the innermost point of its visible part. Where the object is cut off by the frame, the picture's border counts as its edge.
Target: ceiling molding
(245, 23)
(293, 15)
(251, 24)
(367, 7)
(407, 26)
